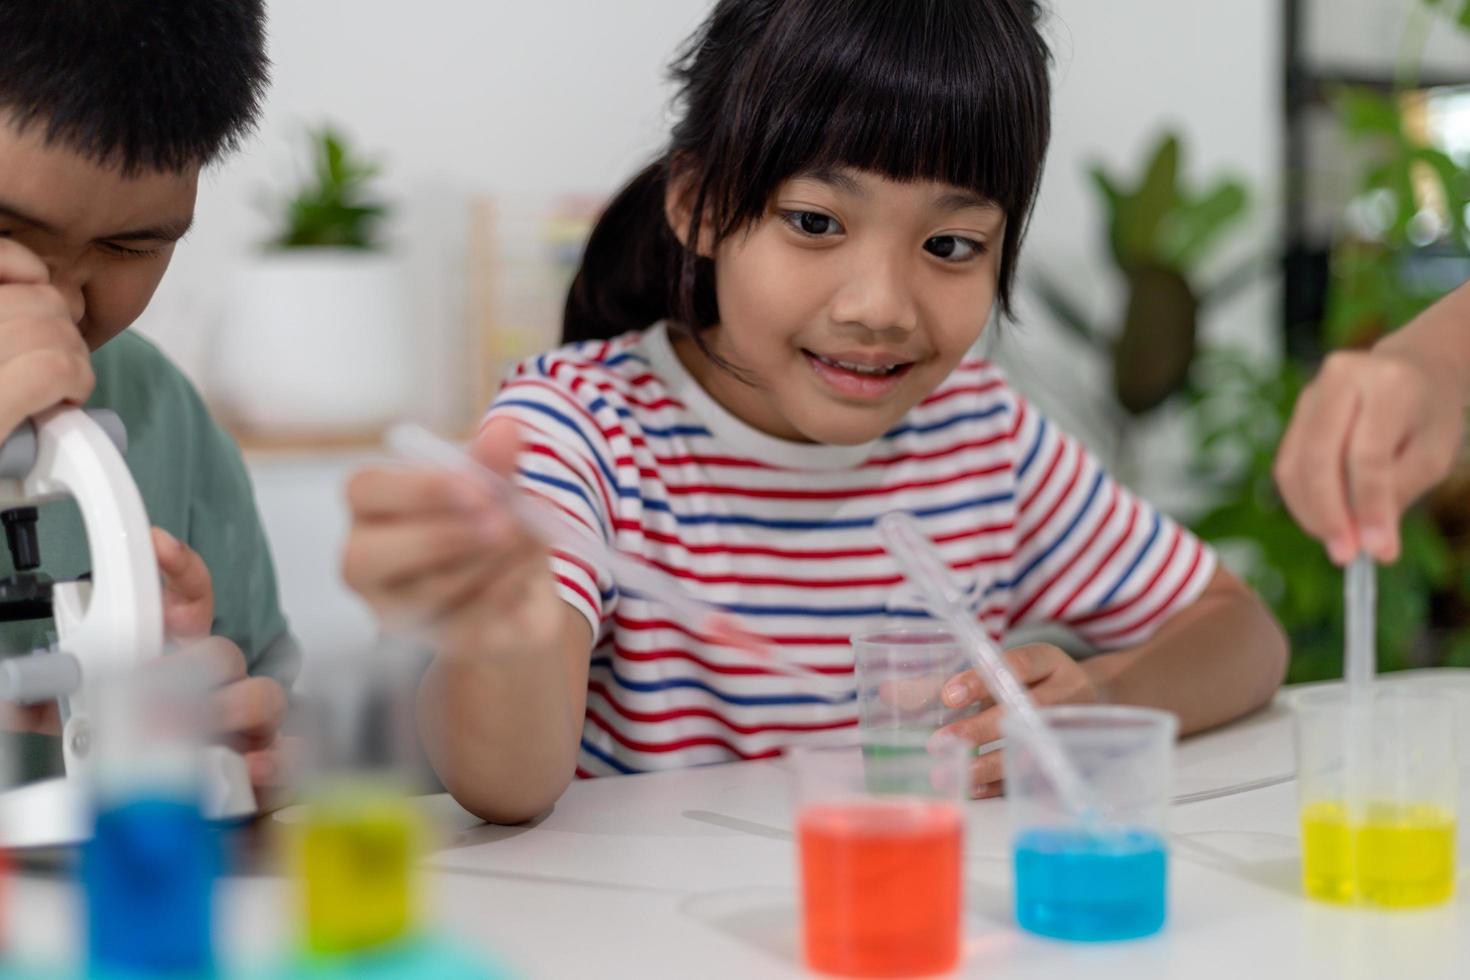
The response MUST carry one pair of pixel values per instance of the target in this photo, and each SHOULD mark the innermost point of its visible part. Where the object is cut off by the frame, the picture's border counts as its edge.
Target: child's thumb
(498, 444)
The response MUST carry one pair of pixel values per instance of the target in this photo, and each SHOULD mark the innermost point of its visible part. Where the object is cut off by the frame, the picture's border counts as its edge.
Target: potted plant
(1407, 213)
(1161, 231)
(315, 343)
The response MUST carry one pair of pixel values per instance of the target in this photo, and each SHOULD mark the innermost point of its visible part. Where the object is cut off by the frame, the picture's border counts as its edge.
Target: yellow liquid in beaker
(356, 864)
(1327, 853)
(1399, 856)
(1406, 855)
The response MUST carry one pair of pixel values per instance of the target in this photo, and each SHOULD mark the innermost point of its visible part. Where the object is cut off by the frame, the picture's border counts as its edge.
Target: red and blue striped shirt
(625, 441)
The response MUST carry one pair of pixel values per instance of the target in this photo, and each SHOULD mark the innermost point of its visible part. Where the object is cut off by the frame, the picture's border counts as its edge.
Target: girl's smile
(860, 375)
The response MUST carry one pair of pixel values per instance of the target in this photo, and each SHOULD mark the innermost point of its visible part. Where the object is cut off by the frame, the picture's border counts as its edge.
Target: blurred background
(1233, 189)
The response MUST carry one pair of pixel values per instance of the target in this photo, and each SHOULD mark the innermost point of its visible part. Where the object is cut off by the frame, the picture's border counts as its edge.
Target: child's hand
(188, 611)
(1053, 678)
(1367, 437)
(43, 359)
(245, 712)
(435, 552)
(188, 591)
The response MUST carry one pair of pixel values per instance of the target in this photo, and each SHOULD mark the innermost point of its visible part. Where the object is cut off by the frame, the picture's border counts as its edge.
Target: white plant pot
(315, 343)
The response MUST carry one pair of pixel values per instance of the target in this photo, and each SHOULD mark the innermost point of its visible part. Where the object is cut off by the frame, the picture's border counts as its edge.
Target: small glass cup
(880, 834)
(1453, 683)
(1378, 790)
(1093, 882)
(900, 674)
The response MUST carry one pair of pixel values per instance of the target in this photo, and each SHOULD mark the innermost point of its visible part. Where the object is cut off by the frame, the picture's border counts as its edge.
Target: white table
(692, 874)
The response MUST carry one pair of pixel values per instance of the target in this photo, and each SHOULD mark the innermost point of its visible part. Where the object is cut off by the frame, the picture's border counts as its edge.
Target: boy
(108, 113)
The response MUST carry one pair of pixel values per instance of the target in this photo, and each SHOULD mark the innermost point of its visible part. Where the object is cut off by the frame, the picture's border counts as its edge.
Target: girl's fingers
(984, 791)
(1030, 663)
(429, 598)
(414, 492)
(975, 730)
(986, 771)
(383, 556)
(498, 444)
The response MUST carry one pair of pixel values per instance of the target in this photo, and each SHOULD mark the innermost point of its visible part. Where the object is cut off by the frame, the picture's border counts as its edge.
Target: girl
(768, 348)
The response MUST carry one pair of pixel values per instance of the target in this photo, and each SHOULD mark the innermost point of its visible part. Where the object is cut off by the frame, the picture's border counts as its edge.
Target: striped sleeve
(1090, 554)
(567, 461)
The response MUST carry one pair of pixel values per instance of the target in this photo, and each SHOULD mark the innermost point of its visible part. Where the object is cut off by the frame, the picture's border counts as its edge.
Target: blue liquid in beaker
(149, 873)
(1090, 886)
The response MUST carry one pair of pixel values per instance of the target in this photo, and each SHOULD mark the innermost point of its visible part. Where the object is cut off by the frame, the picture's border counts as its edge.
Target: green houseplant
(324, 292)
(1160, 232)
(335, 205)
(1241, 408)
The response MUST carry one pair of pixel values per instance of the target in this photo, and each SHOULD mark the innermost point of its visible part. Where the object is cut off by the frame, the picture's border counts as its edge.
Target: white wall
(1126, 71)
(528, 99)
(522, 100)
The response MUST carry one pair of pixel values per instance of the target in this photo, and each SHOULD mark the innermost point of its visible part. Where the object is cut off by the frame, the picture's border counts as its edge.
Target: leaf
(1113, 200)
(1152, 355)
(334, 207)
(1450, 176)
(1141, 215)
(1365, 112)
(1190, 231)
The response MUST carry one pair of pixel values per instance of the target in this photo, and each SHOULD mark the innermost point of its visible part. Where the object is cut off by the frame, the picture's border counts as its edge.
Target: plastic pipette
(632, 575)
(1360, 589)
(1359, 665)
(927, 572)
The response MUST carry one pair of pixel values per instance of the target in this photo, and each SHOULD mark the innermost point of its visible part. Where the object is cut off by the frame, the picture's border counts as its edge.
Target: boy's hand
(245, 712)
(1053, 678)
(188, 591)
(43, 359)
(436, 552)
(1370, 434)
(188, 611)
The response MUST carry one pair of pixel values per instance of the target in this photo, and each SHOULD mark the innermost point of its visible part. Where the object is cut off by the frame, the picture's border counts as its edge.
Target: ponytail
(622, 283)
(634, 272)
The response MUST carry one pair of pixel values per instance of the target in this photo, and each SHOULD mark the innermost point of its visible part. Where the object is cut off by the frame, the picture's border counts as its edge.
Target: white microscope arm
(115, 621)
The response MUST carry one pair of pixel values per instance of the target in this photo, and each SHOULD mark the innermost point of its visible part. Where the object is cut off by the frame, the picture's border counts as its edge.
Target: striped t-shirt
(621, 436)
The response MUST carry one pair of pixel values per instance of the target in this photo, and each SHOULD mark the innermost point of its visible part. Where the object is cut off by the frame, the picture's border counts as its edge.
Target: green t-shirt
(194, 485)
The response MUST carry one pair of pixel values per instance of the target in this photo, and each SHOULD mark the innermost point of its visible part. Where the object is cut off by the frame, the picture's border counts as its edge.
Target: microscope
(107, 623)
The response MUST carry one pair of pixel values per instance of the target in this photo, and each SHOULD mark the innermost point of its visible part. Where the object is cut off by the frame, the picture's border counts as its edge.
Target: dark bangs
(954, 91)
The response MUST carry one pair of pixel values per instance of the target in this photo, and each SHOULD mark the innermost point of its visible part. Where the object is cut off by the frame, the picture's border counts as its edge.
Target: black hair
(159, 85)
(955, 91)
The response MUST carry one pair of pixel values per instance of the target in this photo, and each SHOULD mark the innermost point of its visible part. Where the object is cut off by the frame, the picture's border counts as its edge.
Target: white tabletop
(692, 874)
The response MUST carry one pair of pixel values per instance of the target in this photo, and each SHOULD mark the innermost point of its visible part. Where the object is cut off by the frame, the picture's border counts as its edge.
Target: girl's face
(848, 302)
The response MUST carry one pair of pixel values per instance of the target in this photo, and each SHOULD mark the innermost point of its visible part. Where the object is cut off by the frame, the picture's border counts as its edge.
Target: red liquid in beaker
(881, 887)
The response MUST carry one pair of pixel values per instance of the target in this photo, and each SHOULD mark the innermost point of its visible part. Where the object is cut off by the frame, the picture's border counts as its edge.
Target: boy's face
(106, 238)
(849, 302)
